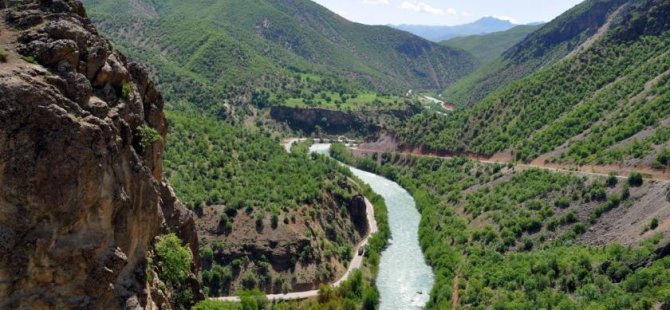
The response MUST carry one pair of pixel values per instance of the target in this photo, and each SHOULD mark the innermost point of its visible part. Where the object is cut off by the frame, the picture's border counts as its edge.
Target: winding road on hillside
(354, 264)
(595, 171)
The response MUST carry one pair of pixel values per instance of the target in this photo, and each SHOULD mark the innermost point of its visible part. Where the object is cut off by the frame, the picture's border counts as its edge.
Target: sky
(446, 12)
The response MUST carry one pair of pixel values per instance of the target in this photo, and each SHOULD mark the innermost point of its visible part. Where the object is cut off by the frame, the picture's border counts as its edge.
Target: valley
(273, 154)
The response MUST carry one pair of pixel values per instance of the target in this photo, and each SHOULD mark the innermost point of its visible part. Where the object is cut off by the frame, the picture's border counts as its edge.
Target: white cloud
(426, 8)
(384, 2)
(508, 18)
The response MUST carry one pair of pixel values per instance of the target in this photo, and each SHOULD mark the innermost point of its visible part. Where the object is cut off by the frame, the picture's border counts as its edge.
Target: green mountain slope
(488, 47)
(205, 50)
(544, 47)
(607, 103)
(504, 238)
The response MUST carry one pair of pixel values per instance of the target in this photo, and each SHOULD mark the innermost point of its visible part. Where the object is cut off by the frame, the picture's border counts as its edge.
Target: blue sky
(446, 12)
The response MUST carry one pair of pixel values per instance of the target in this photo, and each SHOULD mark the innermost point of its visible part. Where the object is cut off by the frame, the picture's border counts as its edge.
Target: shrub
(654, 223)
(663, 159)
(635, 179)
(126, 89)
(148, 135)
(579, 228)
(207, 255)
(563, 203)
(612, 179)
(176, 259)
(249, 280)
(175, 267)
(275, 221)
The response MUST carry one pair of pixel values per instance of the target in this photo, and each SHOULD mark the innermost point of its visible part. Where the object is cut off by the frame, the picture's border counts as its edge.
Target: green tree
(635, 179)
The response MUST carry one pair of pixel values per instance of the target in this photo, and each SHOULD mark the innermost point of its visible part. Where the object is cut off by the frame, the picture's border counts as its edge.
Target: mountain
(488, 47)
(87, 218)
(441, 33)
(204, 51)
(548, 45)
(597, 100)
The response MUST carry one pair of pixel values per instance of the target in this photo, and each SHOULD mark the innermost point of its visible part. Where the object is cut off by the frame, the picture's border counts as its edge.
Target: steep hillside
(441, 33)
(569, 32)
(203, 51)
(488, 47)
(606, 103)
(83, 201)
(508, 238)
(267, 219)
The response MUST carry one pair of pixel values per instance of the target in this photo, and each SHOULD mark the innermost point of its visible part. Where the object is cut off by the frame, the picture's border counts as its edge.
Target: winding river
(404, 279)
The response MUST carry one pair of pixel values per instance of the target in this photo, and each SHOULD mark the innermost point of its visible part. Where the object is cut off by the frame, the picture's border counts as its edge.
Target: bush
(148, 135)
(654, 224)
(612, 179)
(563, 203)
(126, 89)
(207, 255)
(275, 221)
(176, 260)
(663, 159)
(175, 267)
(635, 179)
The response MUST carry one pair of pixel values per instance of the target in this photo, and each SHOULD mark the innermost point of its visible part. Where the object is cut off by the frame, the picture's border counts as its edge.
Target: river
(404, 279)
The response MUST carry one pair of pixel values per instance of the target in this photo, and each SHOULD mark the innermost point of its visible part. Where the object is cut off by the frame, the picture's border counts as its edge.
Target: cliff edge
(83, 197)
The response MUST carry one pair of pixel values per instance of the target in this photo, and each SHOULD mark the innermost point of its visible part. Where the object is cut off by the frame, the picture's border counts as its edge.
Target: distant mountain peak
(484, 25)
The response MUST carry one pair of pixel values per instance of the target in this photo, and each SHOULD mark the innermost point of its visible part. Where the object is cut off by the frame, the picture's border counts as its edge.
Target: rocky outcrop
(83, 195)
(316, 120)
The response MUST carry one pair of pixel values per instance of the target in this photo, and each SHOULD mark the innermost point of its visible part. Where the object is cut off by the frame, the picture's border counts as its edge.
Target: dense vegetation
(204, 52)
(511, 240)
(488, 47)
(358, 292)
(209, 162)
(608, 93)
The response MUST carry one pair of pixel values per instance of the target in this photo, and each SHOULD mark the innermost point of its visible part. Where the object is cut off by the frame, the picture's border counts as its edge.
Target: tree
(635, 179)
(612, 179)
(663, 159)
(176, 259)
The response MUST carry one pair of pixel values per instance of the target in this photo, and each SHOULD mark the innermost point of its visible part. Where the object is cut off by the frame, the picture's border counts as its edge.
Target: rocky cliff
(334, 122)
(82, 196)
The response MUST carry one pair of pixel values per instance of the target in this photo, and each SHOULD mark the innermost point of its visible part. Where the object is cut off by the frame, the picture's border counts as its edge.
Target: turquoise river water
(404, 280)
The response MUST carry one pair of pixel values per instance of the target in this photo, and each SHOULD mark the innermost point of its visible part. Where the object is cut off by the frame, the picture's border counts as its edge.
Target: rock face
(82, 194)
(339, 122)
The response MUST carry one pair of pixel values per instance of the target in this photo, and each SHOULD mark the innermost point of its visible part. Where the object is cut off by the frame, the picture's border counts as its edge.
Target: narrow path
(588, 170)
(355, 263)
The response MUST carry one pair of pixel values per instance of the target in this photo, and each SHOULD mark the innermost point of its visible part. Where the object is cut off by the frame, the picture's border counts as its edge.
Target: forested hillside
(488, 47)
(204, 51)
(502, 238)
(267, 219)
(607, 103)
(546, 46)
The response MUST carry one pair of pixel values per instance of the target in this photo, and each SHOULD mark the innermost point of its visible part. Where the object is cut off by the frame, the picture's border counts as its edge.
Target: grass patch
(30, 59)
